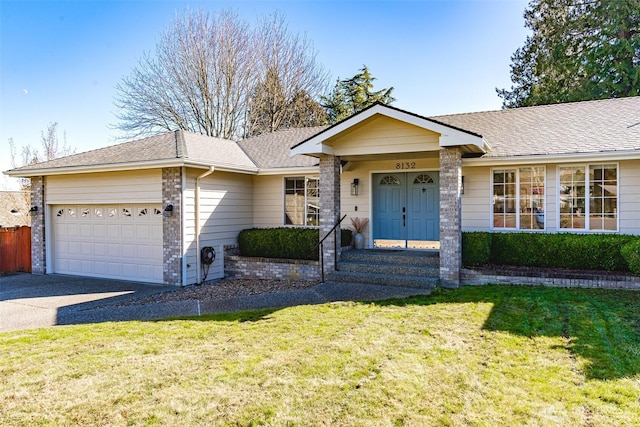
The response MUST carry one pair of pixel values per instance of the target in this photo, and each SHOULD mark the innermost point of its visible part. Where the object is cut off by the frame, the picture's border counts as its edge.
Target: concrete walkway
(35, 301)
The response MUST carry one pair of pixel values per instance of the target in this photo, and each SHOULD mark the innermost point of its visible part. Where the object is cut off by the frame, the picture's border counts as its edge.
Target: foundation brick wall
(470, 277)
(450, 208)
(269, 268)
(329, 209)
(172, 226)
(38, 248)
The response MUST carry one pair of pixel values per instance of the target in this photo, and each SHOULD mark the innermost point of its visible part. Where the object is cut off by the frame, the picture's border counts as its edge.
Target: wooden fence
(15, 250)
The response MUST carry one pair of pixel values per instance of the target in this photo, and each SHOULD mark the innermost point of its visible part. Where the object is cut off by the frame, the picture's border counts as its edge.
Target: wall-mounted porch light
(354, 187)
(34, 209)
(168, 211)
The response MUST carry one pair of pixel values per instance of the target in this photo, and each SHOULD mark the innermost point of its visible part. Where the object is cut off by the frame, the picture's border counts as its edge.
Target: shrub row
(610, 252)
(284, 242)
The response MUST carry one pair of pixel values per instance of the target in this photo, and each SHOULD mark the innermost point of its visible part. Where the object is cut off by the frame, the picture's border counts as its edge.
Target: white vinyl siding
(476, 206)
(226, 208)
(629, 197)
(379, 135)
(268, 204)
(143, 186)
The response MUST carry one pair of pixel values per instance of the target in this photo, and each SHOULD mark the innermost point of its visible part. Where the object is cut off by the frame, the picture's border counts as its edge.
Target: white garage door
(111, 241)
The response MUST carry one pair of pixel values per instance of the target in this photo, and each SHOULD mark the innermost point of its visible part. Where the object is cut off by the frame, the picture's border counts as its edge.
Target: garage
(121, 241)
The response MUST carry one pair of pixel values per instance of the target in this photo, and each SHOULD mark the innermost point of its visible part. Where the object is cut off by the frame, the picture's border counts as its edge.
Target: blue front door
(406, 207)
(423, 208)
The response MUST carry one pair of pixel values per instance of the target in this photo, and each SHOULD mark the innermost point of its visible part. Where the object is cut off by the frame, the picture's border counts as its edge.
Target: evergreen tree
(578, 50)
(352, 95)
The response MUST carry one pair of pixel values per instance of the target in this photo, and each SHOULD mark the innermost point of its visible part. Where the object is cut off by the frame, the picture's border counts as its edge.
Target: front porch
(408, 269)
(400, 171)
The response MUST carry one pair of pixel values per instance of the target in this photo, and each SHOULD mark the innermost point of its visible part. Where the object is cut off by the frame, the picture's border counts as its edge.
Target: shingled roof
(604, 126)
(270, 151)
(560, 129)
(179, 146)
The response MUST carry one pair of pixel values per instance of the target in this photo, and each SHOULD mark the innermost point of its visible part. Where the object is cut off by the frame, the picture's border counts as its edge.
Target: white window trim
(588, 198)
(517, 227)
(284, 203)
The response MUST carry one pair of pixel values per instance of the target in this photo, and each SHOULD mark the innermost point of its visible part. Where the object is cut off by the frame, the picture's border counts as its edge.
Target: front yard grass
(489, 356)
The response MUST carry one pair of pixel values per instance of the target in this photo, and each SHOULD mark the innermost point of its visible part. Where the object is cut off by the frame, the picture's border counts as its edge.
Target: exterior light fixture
(354, 187)
(34, 209)
(168, 211)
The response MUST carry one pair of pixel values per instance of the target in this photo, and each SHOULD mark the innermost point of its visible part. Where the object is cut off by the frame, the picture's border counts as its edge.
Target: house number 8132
(406, 165)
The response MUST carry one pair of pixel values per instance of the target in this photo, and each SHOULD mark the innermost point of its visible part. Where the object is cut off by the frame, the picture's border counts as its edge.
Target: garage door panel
(128, 250)
(115, 241)
(99, 230)
(99, 249)
(86, 230)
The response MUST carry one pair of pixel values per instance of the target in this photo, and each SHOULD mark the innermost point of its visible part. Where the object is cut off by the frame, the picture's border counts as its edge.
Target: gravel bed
(220, 289)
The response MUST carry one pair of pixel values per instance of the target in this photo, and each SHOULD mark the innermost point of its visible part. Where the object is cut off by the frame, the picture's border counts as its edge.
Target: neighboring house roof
(610, 125)
(272, 150)
(14, 208)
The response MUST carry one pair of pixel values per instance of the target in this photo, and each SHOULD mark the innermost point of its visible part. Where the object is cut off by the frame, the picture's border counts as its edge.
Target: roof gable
(448, 135)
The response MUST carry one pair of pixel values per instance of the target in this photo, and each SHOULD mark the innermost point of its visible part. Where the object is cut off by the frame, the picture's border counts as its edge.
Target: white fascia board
(118, 167)
(290, 170)
(311, 148)
(610, 156)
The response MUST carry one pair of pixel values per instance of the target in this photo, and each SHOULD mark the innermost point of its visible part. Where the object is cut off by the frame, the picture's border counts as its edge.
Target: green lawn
(474, 356)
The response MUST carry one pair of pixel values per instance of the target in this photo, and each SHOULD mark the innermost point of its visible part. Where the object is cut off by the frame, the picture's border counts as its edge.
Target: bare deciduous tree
(289, 79)
(30, 155)
(197, 80)
(204, 71)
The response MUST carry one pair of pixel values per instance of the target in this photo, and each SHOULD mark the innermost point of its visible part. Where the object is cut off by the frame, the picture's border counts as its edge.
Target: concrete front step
(379, 256)
(395, 269)
(421, 282)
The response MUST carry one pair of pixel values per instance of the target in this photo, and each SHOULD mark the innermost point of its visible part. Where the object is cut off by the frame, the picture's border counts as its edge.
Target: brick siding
(172, 226)
(38, 243)
(450, 208)
(329, 209)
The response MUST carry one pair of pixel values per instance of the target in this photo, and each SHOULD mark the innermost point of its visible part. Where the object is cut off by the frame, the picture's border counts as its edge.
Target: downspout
(184, 226)
(197, 218)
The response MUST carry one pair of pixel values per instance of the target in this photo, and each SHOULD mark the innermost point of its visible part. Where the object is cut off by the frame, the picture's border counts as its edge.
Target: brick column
(38, 248)
(329, 208)
(172, 226)
(450, 208)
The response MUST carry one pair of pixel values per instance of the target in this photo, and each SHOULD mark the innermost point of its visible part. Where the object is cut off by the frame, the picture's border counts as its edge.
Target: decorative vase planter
(358, 241)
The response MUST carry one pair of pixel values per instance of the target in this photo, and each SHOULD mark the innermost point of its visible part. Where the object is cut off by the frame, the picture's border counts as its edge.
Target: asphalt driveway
(35, 301)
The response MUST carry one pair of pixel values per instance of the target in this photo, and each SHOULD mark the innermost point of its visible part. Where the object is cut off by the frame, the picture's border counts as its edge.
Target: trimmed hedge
(631, 254)
(284, 242)
(476, 248)
(575, 251)
(346, 237)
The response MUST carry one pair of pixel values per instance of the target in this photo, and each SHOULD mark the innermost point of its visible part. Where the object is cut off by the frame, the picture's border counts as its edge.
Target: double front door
(406, 208)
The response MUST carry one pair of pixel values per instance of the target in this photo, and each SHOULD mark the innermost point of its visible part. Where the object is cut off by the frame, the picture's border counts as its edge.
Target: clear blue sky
(60, 61)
